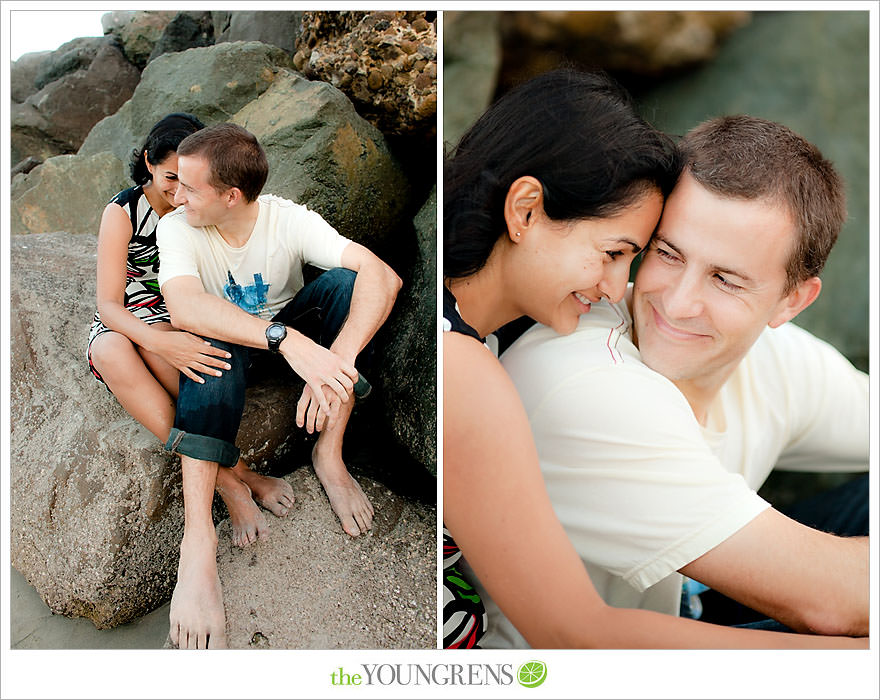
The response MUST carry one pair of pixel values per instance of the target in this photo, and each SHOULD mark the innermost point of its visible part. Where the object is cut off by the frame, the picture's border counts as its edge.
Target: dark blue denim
(208, 415)
(843, 511)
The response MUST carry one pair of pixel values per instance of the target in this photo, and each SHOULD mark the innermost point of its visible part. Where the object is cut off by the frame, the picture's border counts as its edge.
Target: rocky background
(807, 70)
(345, 106)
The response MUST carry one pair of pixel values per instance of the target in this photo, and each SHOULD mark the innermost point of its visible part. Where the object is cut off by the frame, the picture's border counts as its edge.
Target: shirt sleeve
(826, 399)
(314, 240)
(177, 254)
(630, 476)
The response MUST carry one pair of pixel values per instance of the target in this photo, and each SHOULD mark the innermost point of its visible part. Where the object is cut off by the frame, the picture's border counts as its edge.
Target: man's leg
(319, 310)
(197, 617)
(205, 426)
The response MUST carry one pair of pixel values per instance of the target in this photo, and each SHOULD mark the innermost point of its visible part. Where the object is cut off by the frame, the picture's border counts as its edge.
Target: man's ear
(233, 196)
(796, 301)
(522, 206)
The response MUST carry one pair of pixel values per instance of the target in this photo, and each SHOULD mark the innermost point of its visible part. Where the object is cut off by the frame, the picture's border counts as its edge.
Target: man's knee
(207, 402)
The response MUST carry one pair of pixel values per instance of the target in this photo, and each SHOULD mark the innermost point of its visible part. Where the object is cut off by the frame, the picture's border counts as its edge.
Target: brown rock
(393, 44)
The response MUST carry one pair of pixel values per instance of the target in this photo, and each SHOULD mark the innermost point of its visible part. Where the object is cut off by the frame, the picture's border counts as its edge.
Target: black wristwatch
(275, 333)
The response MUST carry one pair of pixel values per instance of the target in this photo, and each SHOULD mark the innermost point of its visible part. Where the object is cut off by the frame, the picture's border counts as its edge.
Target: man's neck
(238, 226)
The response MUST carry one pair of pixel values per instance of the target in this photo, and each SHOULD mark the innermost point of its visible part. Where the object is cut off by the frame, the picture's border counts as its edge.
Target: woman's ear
(147, 163)
(522, 206)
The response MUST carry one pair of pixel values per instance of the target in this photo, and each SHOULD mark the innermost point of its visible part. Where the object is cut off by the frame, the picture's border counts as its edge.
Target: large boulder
(625, 41)
(212, 82)
(23, 75)
(277, 28)
(74, 55)
(58, 117)
(311, 586)
(96, 510)
(188, 30)
(66, 193)
(323, 155)
(386, 62)
(408, 359)
(137, 31)
(471, 60)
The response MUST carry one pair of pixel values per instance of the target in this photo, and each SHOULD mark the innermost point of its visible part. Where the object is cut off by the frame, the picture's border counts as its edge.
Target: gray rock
(57, 119)
(41, 201)
(323, 155)
(213, 83)
(138, 32)
(96, 503)
(75, 55)
(377, 591)
(23, 75)
(277, 28)
(25, 166)
(188, 30)
(408, 360)
(471, 60)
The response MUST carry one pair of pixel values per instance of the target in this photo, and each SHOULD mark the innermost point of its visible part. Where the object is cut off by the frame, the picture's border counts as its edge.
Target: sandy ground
(34, 626)
(310, 586)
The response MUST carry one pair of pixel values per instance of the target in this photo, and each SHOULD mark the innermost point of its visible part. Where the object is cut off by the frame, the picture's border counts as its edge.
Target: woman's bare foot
(274, 494)
(197, 618)
(347, 499)
(248, 522)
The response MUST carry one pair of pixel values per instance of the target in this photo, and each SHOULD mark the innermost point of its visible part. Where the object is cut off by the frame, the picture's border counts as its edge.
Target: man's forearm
(375, 289)
(212, 317)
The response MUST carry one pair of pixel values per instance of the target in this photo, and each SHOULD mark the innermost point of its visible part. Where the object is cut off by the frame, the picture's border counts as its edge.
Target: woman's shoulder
(128, 197)
(452, 320)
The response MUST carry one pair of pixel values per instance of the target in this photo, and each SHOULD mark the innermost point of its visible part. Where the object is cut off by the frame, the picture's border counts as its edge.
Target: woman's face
(165, 177)
(563, 267)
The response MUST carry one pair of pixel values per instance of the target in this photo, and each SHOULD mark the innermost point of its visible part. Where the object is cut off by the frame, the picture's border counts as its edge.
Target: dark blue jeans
(841, 511)
(208, 415)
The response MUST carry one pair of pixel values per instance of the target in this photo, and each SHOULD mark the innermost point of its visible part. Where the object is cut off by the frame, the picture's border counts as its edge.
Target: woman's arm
(184, 351)
(497, 509)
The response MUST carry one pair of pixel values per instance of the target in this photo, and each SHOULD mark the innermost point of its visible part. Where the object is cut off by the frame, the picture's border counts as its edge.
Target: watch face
(275, 332)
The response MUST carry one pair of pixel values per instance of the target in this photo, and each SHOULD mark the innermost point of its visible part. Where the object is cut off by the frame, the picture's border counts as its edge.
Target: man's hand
(319, 367)
(310, 414)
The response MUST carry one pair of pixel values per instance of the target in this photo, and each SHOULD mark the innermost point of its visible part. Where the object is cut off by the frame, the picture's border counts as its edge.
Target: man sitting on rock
(231, 272)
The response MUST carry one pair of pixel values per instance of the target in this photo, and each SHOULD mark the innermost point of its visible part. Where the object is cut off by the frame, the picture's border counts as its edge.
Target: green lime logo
(531, 674)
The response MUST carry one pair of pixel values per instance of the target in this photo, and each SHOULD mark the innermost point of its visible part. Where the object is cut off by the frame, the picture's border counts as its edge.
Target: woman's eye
(613, 253)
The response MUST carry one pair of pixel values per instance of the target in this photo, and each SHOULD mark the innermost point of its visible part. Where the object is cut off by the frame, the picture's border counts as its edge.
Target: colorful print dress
(142, 296)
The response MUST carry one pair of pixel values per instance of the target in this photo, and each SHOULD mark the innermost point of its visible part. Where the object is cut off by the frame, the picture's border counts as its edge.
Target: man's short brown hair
(744, 157)
(234, 155)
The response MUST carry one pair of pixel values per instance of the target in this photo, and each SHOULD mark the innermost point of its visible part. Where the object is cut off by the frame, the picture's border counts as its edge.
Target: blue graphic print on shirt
(251, 298)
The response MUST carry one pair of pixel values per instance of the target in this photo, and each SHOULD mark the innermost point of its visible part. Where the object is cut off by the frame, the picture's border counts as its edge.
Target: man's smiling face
(712, 279)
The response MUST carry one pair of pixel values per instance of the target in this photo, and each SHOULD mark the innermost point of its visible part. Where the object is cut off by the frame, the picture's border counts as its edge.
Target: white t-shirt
(266, 272)
(640, 487)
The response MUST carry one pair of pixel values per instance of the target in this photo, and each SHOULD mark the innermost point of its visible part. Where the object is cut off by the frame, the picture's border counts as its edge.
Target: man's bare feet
(347, 499)
(197, 618)
(248, 522)
(274, 494)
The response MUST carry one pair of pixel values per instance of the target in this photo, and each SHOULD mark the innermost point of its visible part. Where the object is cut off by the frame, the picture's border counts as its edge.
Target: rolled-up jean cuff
(204, 447)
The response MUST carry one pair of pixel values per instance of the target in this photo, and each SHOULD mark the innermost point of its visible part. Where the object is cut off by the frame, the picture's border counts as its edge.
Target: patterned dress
(464, 616)
(142, 296)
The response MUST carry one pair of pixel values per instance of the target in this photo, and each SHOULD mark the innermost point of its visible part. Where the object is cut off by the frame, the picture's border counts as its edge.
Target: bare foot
(347, 499)
(197, 617)
(274, 494)
(248, 522)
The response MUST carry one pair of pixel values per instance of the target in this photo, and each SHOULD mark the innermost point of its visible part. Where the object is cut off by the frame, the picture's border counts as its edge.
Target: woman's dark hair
(577, 133)
(164, 138)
